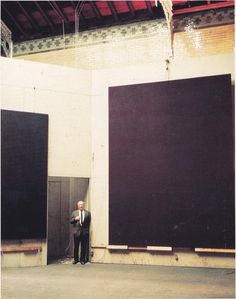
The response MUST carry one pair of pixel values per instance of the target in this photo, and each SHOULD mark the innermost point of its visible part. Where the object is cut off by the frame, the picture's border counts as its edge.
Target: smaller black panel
(24, 174)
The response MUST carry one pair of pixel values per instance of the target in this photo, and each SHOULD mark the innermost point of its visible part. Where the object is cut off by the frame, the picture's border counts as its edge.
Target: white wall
(179, 68)
(64, 94)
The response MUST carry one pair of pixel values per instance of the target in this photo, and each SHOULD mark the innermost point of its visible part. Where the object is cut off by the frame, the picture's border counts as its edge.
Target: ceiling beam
(149, 7)
(35, 26)
(131, 8)
(73, 4)
(77, 8)
(113, 10)
(96, 10)
(82, 15)
(44, 15)
(60, 11)
(14, 21)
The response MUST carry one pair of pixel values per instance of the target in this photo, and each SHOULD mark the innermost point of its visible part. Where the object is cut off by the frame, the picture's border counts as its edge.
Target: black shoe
(74, 262)
(82, 262)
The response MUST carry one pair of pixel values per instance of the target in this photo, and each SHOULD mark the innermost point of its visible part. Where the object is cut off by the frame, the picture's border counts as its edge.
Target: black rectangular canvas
(24, 152)
(171, 163)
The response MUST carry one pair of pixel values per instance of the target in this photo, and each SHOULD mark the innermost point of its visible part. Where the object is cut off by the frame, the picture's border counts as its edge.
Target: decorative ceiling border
(123, 32)
(91, 37)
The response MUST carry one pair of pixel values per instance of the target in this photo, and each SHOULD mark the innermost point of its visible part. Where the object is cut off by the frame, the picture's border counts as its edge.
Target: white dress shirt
(81, 216)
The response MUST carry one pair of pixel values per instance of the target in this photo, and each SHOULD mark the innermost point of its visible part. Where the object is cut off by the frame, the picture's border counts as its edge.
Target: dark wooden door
(54, 220)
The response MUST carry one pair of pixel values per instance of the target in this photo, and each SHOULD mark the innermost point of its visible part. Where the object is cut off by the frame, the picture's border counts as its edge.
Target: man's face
(80, 205)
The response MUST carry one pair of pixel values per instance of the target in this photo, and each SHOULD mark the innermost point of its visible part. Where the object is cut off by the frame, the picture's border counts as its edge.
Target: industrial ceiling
(29, 20)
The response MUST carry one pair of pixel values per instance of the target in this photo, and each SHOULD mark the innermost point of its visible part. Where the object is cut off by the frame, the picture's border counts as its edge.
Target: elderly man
(81, 221)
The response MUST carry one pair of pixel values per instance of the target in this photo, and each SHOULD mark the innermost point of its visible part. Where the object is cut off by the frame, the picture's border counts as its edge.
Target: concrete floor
(105, 281)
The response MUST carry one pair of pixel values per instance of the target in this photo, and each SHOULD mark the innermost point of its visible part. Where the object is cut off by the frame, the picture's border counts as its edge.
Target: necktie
(81, 217)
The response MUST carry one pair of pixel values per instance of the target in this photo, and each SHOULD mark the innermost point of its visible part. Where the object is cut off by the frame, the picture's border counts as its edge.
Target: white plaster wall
(64, 94)
(24, 259)
(177, 257)
(179, 68)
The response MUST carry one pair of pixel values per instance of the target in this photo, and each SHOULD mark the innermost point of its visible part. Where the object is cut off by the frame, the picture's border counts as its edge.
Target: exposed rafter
(149, 7)
(113, 10)
(73, 4)
(13, 19)
(60, 12)
(78, 8)
(27, 16)
(44, 16)
(131, 8)
(96, 11)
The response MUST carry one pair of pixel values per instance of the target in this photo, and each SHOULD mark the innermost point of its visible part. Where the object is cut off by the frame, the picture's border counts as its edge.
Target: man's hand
(77, 218)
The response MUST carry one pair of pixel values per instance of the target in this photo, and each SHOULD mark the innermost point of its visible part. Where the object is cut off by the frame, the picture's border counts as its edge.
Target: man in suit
(81, 221)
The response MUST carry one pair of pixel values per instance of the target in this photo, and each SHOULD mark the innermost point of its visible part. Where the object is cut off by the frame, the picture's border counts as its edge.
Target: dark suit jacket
(77, 228)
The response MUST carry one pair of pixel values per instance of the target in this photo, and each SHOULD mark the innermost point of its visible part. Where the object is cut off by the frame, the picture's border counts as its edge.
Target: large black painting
(171, 163)
(24, 148)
